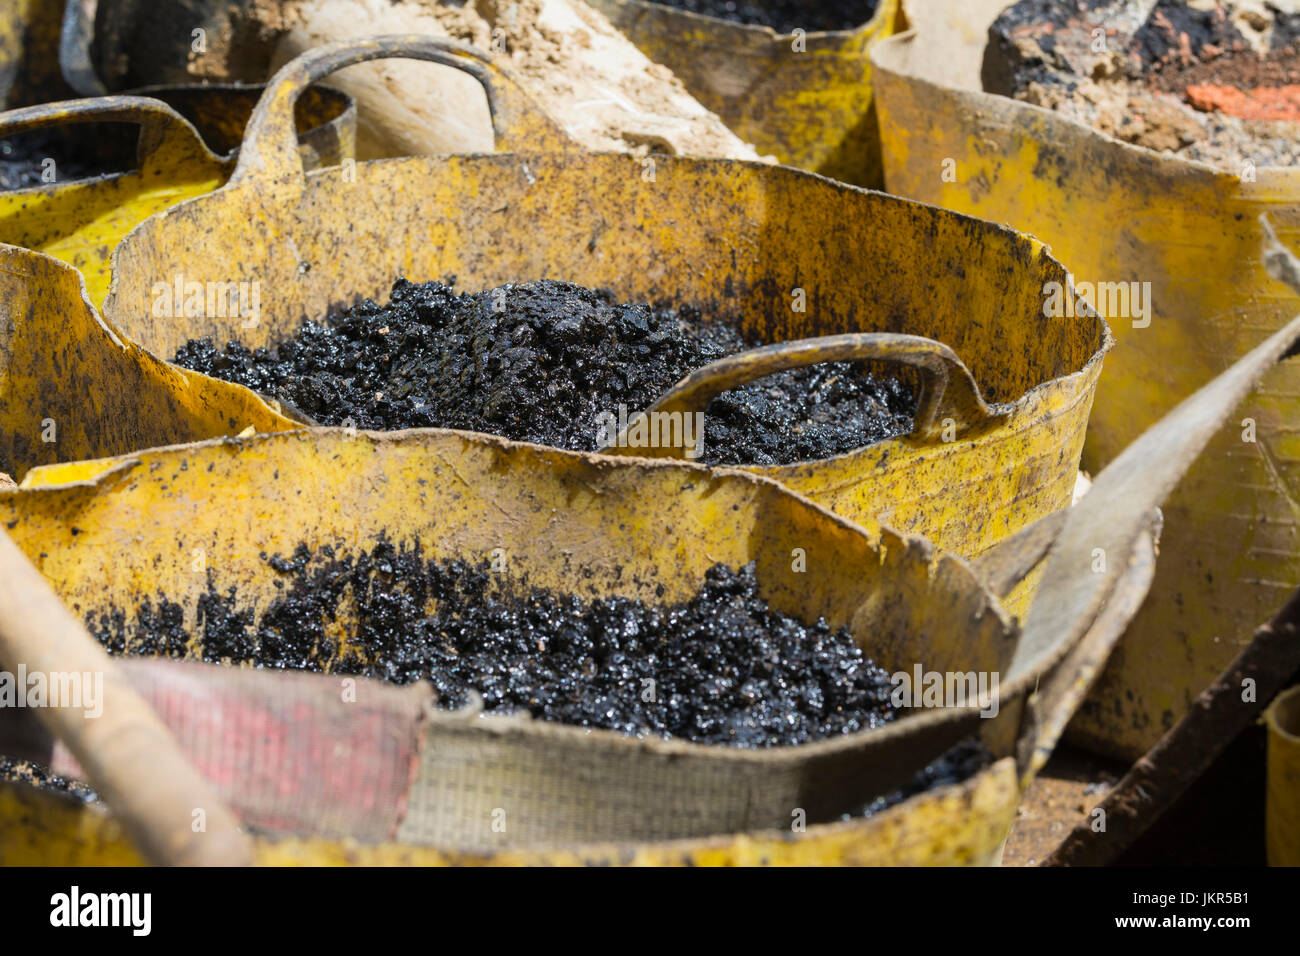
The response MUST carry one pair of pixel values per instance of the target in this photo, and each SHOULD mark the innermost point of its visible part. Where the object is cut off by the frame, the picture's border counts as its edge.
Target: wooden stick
(128, 755)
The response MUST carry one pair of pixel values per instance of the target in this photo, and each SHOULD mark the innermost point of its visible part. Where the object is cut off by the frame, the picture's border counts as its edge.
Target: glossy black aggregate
(721, 668)
(35, 775)
(541, 361)
(960, 762)
(784, 16)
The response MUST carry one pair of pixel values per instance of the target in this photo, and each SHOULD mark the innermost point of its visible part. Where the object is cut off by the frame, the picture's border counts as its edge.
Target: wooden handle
(128, 756)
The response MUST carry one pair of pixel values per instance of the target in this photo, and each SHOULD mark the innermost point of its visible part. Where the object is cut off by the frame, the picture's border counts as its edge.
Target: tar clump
(960, 762)
(721, 668)
(543, 362)
(784, 16)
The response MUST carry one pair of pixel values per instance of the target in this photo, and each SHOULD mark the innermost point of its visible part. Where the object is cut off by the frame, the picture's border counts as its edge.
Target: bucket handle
(949, 403)
(166, 138)
(270, 151)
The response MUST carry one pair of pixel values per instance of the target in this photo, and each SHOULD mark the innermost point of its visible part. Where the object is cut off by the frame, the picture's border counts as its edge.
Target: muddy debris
(551, 362)
(784, 16)
(573, 61)
(1217, 82)
(721, 668)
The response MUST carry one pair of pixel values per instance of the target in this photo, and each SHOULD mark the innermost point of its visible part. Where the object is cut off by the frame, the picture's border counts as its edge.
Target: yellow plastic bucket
(805, 98)
(1282, 808)
(640, 529)
(741, 239)
(72, 388)
(1187, 238)
(567, 521)
(81, 221)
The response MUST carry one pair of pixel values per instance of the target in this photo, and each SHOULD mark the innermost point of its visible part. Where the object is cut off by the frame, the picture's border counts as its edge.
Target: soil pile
(581, 70)
(1214, 82)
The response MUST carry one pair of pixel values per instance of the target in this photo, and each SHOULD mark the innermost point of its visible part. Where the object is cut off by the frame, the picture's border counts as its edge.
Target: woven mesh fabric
(289, 752)
(310, 754)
